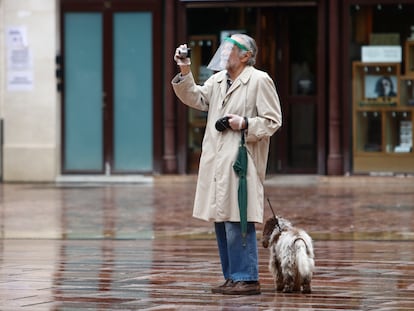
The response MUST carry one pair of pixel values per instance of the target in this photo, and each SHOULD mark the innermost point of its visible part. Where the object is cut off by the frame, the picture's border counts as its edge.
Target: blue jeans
(238, 257)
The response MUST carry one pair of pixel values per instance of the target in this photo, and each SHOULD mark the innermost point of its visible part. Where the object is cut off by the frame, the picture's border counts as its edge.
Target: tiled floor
(135, 246)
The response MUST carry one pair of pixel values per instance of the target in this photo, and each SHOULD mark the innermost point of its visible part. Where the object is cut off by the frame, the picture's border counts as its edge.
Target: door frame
(108, 8)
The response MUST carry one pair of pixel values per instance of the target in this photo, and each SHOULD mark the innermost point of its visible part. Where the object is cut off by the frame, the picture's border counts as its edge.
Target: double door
(109, 100)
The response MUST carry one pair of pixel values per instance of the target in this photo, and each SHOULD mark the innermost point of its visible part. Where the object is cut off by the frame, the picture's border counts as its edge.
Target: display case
(398, 135)
(369, 131)
(407, 91)
(409, 57)
(383, 112)
(376, 84)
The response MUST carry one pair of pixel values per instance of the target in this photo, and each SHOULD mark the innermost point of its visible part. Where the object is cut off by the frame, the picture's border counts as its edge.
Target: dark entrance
(288, 43)
(293, 63)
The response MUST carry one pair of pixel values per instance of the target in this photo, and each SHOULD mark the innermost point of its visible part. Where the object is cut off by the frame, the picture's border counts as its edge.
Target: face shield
(222, 55)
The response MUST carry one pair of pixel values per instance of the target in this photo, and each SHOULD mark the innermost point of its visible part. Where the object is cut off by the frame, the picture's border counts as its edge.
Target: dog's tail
(305, 264)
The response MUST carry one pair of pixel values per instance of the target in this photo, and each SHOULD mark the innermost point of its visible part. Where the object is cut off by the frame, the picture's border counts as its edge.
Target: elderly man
(247, 97)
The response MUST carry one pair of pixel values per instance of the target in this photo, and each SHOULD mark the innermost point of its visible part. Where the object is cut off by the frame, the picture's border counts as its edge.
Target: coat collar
(243, 78)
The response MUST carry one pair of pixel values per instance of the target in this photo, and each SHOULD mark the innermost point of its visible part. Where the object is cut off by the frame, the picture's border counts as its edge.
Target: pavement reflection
(136, 247)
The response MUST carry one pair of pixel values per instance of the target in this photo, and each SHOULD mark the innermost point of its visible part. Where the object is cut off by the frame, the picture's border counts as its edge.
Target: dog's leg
(275, 269)
(297, 280)
(273, 264)
(288, 283)
(289, 271)
(288, 278)
(305, 265)
(279, 277)
(306, 286)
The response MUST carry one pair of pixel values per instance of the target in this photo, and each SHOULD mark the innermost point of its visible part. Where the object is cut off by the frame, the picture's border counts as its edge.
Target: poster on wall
(19, 60)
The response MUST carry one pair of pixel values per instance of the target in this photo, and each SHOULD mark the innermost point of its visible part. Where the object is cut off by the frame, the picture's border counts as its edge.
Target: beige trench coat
(253, 95)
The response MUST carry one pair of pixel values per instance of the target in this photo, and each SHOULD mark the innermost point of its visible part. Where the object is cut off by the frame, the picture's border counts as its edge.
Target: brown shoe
(219, 289)
(242, 288)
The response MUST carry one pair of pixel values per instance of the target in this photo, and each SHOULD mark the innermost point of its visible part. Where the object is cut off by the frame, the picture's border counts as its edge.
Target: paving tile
(136, 246)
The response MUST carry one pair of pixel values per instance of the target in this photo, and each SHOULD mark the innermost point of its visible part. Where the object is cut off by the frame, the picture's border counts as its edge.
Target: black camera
(184, 53)
(222, 124)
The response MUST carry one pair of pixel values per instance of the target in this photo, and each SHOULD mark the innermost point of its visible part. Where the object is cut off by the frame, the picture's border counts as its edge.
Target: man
(248, 98)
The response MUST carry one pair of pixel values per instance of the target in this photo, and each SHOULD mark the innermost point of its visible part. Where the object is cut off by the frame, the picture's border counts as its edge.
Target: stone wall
(29, 101)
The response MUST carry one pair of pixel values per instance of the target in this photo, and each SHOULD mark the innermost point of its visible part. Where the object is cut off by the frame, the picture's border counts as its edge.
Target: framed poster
(380, 86)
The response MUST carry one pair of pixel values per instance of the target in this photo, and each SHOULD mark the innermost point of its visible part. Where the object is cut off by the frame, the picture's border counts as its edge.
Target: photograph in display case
(385, 86)
(406, 137)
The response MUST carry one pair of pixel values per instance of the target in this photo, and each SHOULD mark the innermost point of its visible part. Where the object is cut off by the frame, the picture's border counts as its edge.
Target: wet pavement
(135, 246)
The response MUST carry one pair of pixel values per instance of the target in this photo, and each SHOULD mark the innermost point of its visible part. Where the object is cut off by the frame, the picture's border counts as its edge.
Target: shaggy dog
(291, 255)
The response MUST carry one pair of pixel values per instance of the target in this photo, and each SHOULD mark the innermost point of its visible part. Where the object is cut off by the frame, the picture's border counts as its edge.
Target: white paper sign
(381, 54)
(19, 60)
(19, 80)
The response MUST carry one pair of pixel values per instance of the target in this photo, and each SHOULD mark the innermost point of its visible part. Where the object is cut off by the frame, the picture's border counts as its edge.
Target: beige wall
(31, 117)
(1, 79)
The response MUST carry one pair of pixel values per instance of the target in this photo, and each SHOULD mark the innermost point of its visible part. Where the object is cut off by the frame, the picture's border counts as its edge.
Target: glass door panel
(83, 136)
(133, 135)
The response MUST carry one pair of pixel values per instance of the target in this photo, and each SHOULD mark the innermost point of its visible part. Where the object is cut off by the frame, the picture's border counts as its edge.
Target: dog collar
(278, 226)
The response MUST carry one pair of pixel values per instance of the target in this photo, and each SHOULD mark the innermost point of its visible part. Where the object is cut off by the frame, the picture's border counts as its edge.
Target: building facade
(85, 85)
